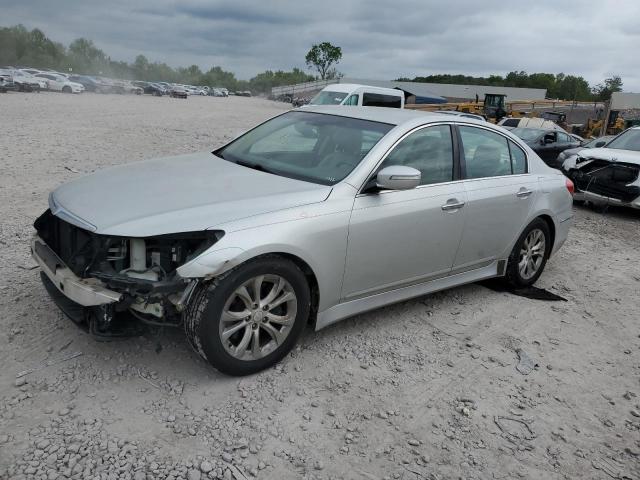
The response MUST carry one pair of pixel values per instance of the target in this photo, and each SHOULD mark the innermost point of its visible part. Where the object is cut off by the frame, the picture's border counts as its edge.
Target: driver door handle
(452, 205)
(524, 193)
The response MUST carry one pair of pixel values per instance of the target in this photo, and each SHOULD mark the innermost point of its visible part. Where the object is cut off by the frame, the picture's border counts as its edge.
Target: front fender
(320, 242)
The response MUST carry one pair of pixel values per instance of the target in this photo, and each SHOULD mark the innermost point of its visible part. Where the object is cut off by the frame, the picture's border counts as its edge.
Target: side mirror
(398, 177)
(599, 144)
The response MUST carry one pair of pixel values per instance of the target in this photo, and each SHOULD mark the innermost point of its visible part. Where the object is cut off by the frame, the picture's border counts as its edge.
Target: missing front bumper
(85, 292)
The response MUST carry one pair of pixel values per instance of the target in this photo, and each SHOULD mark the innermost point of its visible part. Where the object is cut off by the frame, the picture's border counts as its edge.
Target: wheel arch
(552, 228)
(226, 259)
(312, 280)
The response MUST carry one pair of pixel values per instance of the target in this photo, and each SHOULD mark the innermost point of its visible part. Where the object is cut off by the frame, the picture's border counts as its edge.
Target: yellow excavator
(494, 107)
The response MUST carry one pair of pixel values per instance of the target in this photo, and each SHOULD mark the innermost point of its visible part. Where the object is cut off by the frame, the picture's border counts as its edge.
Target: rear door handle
(452, 205)
(524, 193)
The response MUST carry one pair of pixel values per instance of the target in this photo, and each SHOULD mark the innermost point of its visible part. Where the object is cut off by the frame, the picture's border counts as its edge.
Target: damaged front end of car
(604, 180)
(109, 285)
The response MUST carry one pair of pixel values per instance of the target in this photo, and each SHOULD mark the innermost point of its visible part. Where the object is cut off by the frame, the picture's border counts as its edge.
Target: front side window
(428, 150)
(486, 153)
(380, 100)
(313, 147)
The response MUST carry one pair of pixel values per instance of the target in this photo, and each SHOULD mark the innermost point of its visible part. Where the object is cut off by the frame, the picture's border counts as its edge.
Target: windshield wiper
(254, 166)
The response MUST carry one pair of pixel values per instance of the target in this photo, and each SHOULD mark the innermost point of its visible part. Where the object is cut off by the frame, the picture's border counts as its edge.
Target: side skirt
(354, 307)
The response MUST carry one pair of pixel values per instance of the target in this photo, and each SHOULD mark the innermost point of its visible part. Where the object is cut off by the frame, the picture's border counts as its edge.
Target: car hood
(176, 194)
(572, 151)
(611, 154)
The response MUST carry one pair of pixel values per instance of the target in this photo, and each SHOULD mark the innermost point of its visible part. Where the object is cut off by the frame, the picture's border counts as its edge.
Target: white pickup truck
(359, 95)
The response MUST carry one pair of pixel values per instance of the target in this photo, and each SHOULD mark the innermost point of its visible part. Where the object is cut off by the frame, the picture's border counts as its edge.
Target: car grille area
(76, 247)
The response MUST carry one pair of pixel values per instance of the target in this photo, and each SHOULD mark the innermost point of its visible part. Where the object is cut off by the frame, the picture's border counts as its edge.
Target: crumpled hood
(611, 154)
(176, 194)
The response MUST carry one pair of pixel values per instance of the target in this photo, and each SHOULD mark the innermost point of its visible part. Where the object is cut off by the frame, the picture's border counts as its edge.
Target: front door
(398, 238)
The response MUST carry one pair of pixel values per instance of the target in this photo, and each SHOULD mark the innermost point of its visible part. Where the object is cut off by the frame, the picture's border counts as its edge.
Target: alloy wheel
(258, 317)
(532, 254)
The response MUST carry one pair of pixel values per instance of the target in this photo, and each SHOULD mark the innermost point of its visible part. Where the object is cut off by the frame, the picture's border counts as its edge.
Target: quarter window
(486, 153)
(518, 159)
(428, 150)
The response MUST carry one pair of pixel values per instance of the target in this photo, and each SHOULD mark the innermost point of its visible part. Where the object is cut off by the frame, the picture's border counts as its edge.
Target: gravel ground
(469, 383)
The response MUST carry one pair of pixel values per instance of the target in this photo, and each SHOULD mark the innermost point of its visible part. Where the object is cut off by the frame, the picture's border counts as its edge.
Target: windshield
(629, 140)
(307, 146)
(328, 98)
(592, 143)
(527, 134)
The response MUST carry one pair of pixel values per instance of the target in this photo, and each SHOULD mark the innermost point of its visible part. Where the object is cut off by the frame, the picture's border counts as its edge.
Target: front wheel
(66, 89)
(250, 317)
(529, 255)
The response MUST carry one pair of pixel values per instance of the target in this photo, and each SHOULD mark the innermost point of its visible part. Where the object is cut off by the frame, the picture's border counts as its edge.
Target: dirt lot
(426, 389)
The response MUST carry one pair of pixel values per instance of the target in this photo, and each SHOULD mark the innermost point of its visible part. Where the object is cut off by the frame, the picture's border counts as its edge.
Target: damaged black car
(608, 176)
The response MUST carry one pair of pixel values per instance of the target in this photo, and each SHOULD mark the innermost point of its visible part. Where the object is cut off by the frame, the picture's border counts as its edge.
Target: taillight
(570, 186)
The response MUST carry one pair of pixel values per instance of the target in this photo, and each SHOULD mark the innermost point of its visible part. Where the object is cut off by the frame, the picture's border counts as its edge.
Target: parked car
(176, 91)
(6, 82)
(352, 94)
(530, 122)
(595, 143)
(151, 88)
(61, 84)
(316, 215)
(91, 84)
(547, 143)
(25, 82)
(129, 87)
(608, 175)
(218, 92)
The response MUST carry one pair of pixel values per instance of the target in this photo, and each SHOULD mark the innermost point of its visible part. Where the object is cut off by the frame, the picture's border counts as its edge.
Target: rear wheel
(529, 255)
(250, 317)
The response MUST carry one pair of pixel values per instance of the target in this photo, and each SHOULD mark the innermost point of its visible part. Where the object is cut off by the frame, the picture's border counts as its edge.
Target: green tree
(322, 57)
(604, 90)
(265, 81)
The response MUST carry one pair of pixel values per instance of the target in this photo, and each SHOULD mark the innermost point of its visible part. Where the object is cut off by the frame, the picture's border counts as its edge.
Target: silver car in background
(313, 216)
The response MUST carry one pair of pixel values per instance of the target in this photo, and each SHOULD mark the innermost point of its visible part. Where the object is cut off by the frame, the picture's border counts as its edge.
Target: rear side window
(486, 153)
(381, 100)
(518, 159)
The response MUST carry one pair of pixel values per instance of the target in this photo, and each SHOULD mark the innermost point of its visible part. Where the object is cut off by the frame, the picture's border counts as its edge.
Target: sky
(380, 39)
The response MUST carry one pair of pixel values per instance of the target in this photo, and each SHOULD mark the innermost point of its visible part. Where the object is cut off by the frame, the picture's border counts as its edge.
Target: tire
(518, 275)
(278, 327)
(66, 89)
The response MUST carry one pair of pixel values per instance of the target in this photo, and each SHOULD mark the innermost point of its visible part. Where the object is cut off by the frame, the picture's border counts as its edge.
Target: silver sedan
(313, 216)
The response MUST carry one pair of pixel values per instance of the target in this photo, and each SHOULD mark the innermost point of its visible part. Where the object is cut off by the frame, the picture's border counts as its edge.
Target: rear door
(500, 194)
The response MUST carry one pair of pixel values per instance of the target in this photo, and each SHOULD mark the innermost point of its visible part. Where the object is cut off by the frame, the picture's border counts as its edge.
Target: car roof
(394, 116)
(350, 87)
